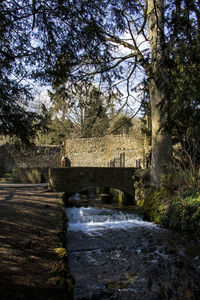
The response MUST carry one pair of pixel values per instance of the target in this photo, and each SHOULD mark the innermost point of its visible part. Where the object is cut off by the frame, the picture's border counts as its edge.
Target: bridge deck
(74, 179)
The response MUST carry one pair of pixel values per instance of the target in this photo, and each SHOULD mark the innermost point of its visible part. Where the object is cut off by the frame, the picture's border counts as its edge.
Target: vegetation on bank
(61, 276)
(184, 212)
(176, 205)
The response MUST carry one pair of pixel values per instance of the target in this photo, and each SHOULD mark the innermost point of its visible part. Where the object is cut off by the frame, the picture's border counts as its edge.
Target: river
(114, 254)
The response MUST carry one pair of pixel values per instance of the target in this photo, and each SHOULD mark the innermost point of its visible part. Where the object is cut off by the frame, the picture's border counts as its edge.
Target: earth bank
(33, 264)
(176, 205)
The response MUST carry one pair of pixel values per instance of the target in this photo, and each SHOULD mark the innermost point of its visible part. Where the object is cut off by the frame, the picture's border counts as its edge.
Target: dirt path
(29, 221)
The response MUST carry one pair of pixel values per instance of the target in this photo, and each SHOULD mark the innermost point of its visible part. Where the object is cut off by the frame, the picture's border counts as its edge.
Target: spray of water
(93, 220)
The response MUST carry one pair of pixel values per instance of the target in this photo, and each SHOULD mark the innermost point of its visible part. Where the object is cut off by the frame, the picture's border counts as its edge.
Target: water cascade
(114, 254)
(91, 220)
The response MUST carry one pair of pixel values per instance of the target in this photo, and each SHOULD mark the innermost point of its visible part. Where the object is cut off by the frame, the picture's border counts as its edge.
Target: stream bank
(31, 226)
(169, 210)
(176, 205)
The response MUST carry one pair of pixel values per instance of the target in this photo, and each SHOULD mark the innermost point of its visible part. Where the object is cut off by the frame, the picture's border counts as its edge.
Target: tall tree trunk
(158, 85)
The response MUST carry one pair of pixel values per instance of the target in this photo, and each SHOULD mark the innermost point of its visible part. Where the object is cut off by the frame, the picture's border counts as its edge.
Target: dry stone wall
(80, 152)
(98, 152)
(39, 156)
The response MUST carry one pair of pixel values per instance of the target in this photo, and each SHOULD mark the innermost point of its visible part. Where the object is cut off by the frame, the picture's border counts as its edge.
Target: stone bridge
(77, 179)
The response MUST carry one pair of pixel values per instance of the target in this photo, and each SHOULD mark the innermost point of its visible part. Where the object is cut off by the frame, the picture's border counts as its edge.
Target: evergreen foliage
(83, 111)
(121, 124)
(17, 55)
(185, 78)
(96, 120)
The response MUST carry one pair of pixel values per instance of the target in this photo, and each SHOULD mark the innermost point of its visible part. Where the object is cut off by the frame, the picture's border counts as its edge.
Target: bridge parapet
(77, 179)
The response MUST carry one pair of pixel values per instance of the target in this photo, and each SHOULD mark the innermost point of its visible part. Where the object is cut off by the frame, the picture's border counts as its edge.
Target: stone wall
(39, 156)
(81, 152)
(30, 175)
(98, 152)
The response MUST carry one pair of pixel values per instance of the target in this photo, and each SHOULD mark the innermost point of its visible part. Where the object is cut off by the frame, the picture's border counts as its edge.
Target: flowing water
(114, 254)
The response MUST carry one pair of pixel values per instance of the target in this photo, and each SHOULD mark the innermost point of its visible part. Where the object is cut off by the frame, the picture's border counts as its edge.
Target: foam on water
(92, 220)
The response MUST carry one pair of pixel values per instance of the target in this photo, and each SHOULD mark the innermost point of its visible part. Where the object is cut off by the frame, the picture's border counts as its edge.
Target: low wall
(38, 156)
(30, 175)
(78, 179)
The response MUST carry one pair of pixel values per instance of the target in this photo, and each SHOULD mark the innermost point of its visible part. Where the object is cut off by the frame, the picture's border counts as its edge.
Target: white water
(94, 220)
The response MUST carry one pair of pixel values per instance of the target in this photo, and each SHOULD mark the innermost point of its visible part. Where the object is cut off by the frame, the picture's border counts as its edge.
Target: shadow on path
(28, 238)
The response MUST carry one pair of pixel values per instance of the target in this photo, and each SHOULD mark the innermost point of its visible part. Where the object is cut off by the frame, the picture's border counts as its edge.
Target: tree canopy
(17, 56)
(114, 43)
(69, 41)
(82, 112)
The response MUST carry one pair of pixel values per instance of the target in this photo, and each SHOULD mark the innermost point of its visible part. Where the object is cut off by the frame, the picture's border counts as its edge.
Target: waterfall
(92, 220)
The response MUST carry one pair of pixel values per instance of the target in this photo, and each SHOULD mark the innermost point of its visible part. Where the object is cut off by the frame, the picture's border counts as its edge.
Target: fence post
(120, 159)
(123, 159)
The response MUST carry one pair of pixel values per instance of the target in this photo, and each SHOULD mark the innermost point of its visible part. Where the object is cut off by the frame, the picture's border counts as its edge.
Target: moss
(61, 276)
(155, 205)
(7, 175)
(62, 279)
(61, 252)
(172, 210)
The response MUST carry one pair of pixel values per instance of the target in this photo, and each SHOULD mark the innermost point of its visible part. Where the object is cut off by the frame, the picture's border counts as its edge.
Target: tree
(185, 79)
(16, 57)
(83, 40)
(84, 106)
(96, 120)
(120, 124)
(103, 27)
(100, 29)
(158, 88)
